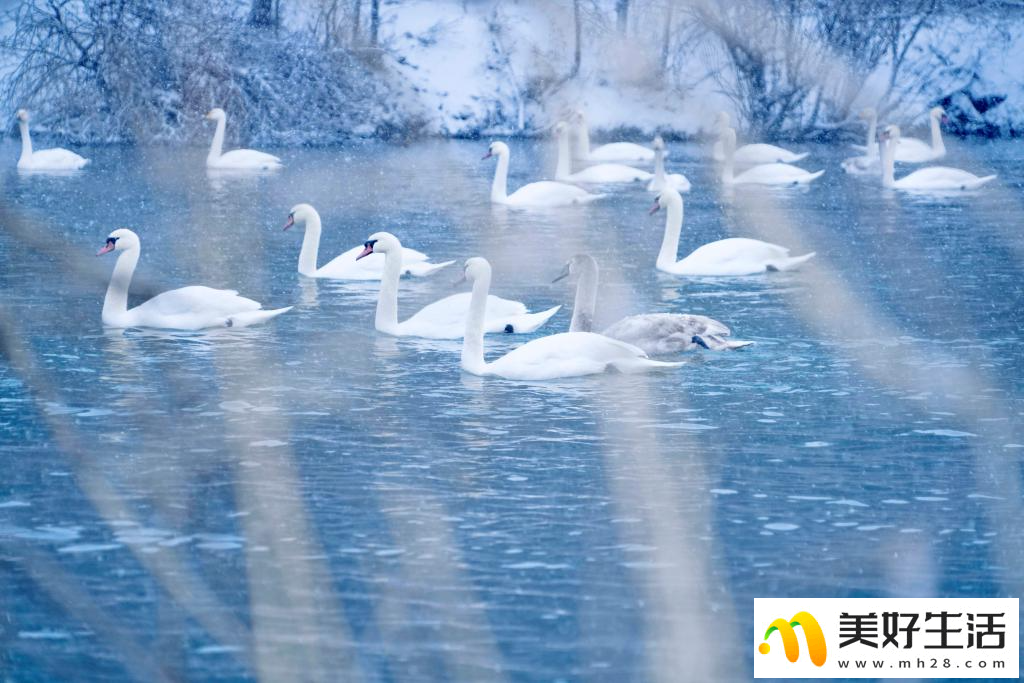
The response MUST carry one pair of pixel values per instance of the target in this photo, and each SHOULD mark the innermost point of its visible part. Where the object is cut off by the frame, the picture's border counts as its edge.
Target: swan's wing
(860, 165)
(346, 267)
(623, 152)
(610, 173)
(247, 158)
(775, 174)
(665, 333)
(732, 256)
(192, 307)
(569, 354)
(679, 182)
(761, 153)
(58, 159)
(549, 193)
(446, 318)
(941, 178)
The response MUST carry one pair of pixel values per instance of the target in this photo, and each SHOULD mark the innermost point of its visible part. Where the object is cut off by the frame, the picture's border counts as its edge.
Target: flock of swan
(625, 346)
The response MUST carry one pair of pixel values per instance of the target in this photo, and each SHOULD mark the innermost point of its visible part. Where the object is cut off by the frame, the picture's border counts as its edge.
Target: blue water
(312, 496)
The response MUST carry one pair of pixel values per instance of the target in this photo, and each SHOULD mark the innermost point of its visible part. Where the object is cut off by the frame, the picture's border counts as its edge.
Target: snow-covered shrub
(140, 70)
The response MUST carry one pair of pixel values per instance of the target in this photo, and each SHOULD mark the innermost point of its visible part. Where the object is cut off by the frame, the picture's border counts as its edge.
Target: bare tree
(622, 16)
(577, 55)
(263, 14)
(374, 22)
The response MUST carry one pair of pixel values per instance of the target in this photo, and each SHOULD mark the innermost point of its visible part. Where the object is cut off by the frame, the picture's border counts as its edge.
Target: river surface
(310, 495)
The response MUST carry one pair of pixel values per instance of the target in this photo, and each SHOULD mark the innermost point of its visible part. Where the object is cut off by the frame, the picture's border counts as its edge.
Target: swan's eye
(369, 244)
(111, 240)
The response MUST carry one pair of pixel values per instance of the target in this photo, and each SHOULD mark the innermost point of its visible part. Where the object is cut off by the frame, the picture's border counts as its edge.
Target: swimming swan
(657, 334)
(188, 308)
(731, 256)
(348, 266)
(754, 154)
(569, 354)
(598, 173)
(912, 150)
(56, 159)
(237, 159)
(661, 180)
(613, 152)
(933, 178)
(867, 162)
(444, 319)
(765, 174)
(545, 193)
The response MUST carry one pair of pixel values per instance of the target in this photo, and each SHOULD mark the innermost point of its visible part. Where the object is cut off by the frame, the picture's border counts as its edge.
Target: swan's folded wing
(198, 300)
(664, 333)
(57, 159)
(549, 193)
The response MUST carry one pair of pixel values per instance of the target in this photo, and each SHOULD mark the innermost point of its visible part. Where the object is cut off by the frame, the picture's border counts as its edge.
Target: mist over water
(311, 495)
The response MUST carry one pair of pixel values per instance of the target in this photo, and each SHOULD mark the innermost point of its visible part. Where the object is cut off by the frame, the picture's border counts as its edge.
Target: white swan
(348, 266)
(868, 161)
(656, 334)
(754, 154)
(444, 319)
(569, 354)
(661, 180)
(545, 193)
(237, 159)
(613, 152)
(931, 179)
(731, 256)
(914, 151)
(188, 308)
(598, 173)
(56, 159)
(765, 174)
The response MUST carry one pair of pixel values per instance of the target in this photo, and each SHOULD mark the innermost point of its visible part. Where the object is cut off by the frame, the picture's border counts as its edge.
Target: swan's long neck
(729, 150)
(872, 134)
(887, 150)
(310, 247)
(115, 303)
(563, 169)
(26, 141)
(217, 146)
(586, 299)
(670, 241)
(582, 140)
(386, 319)
(473, 341)
(938, 146)
(499, 188)
(659, 167)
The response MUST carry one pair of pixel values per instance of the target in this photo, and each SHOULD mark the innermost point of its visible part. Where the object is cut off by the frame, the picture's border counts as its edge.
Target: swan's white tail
(790, 263)
(248, 318)
(590, 198)
(797, 157)
(813, 176)
(528, 322)
(641, 364)
(982, 181)
(422, 268)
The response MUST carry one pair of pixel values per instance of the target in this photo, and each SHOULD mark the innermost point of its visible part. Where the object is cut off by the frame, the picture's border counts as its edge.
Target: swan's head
(658, 142)
(867, 113)
(22, 115)
(722, 119)
(890, 132)
(939, 113)
(578, 117)
(577, 265)
(119, 240)
(216, 114)
(496, 149)
(380, 243)
(666, 198)
(299, 214)
(476, 268)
